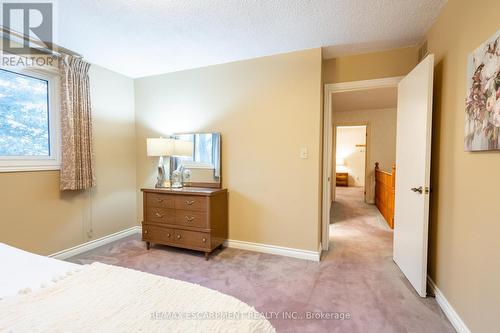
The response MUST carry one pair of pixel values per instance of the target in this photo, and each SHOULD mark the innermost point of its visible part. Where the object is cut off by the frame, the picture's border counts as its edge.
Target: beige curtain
(77, 169)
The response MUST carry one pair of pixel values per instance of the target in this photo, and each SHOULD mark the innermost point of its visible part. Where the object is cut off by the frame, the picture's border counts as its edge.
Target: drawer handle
(204, 240)
(168, 234)
(189, 218)
(190, 202)
(158, 215)
(159, 200)
(145, 231)
(178, 236)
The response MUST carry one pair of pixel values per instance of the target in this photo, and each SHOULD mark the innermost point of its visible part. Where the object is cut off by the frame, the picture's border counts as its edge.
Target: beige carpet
(357, 276)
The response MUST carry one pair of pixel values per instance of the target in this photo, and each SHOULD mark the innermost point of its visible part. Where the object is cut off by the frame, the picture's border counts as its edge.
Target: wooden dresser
(190, 218)
(342, 179)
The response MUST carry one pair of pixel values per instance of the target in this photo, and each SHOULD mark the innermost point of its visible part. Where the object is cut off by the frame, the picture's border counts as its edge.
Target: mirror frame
(203, 184)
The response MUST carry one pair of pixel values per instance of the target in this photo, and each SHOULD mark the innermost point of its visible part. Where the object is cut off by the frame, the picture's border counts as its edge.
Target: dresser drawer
(160, 200)
(157, 234)
(341, 176)
(191, 218)
(161, 215)
(195, 203)
(192, 238)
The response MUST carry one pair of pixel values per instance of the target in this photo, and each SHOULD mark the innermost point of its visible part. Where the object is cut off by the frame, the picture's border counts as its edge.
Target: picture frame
(482, 101)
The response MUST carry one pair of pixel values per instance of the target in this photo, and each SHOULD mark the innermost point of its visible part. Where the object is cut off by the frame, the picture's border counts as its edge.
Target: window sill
(30, 168)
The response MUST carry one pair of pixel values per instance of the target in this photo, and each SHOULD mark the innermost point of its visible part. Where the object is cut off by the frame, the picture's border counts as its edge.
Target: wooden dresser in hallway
(342, 179)
(191, 218)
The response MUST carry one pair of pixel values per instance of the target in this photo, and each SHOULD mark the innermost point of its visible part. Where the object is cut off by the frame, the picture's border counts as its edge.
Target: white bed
(40, 294)
(22, 270)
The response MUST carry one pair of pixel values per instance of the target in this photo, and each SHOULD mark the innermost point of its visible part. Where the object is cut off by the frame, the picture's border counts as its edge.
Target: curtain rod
(46, 47)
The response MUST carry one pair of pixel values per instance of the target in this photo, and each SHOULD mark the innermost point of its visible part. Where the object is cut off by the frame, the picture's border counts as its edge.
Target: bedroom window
(29, 121)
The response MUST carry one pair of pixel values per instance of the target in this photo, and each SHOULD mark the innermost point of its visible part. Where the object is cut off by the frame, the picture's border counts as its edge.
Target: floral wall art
(482, 102)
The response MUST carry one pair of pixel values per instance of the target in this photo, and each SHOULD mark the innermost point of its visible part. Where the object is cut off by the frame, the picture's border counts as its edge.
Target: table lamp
(165, 148)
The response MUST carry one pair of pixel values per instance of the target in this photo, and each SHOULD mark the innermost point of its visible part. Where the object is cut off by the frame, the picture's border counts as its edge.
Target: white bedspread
(22, 270)
(103, 298)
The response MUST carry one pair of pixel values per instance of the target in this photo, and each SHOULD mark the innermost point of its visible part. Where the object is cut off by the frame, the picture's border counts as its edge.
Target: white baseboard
(64, 254)
(236, 244)
(448, 310)
(273, 249)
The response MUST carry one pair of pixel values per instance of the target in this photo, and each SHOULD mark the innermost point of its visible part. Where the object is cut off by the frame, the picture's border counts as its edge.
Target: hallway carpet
(356, 279)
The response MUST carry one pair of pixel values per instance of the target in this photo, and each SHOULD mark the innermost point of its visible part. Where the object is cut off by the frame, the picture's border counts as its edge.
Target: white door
(413, 161)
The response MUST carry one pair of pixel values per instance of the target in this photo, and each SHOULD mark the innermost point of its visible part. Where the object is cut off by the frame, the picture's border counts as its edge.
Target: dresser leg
(207, 255)
(148, 245)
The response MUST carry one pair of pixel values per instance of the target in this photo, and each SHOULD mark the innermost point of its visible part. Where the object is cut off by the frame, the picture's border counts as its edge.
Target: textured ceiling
(367, 99)
(147, 37)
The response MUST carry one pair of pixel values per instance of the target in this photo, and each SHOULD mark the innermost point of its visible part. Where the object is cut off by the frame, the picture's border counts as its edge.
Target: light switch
(304, 153)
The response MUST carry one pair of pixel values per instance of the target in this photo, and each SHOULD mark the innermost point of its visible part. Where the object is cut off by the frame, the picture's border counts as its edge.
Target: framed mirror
(203, 168)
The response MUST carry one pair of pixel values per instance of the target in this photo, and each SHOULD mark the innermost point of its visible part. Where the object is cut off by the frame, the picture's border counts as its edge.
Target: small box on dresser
(190, 218)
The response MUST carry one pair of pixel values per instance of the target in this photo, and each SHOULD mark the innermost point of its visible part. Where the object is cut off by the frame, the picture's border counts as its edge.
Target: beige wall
(37, 217)
(465, 223)
(266, 109)
(381, 140)
(348, 138)
(368, 66)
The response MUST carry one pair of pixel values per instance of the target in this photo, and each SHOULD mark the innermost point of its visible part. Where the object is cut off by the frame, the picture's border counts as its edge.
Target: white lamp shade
(340, 161)
(160, 146)
(183, 148)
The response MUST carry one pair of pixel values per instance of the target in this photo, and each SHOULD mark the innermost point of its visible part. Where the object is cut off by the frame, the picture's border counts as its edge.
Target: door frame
(366, 124)
(327, 169)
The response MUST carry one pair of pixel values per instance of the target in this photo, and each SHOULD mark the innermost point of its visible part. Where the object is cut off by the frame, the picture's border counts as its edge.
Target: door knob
(419, 189)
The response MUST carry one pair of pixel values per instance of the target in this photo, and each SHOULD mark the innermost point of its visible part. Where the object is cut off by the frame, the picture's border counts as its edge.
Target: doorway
(410, 185)
(370, 103)
(350, 152)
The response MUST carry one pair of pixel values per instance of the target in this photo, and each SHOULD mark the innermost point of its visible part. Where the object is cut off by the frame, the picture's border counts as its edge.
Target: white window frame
(40, 163)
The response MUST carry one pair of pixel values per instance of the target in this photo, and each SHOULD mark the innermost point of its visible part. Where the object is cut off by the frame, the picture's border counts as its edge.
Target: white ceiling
(367, 99)
(146, 37)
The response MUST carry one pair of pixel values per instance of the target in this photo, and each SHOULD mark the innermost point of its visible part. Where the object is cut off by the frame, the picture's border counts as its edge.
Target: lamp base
(163, 184)
(162, 181)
